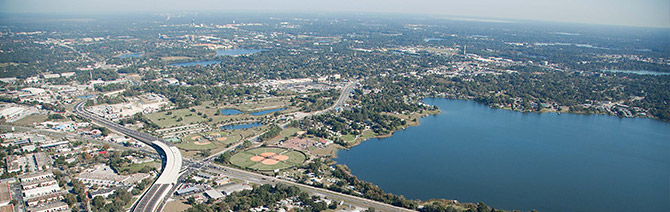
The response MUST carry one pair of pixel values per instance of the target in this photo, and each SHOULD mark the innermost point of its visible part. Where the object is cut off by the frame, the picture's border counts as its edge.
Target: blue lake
(241, 126)
(260, 113)
(86, 97)
(432, 39)
(512, 160)
(640, 72)
(130, 55)
(202, 63)
(236, 52)
(228, 112)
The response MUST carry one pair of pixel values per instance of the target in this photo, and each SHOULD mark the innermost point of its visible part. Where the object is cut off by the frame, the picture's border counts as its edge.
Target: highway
(154, 198)
(262, 179)
(344, 96)
(172, 162)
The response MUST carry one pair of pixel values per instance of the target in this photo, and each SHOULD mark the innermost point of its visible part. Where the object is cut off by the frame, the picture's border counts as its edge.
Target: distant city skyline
(652, 13)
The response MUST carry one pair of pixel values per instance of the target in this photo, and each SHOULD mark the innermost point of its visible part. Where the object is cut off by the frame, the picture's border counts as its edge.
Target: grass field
(258, 105)
(286, 133)
(193, 146)
(260, 150)
(163, 120)
(348, 138)
(365, 135)
(29, 120)
(135, 167)
(188, 143)
(294, 157)
(368, 134)
(242, 159)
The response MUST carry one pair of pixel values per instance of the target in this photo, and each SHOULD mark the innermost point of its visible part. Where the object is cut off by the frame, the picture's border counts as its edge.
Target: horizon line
(499, 20)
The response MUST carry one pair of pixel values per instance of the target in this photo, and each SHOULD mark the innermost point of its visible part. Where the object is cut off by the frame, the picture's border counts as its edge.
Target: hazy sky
(616, 12)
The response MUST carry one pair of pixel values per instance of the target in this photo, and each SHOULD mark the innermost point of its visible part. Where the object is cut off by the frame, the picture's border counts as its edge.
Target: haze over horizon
(650, 13)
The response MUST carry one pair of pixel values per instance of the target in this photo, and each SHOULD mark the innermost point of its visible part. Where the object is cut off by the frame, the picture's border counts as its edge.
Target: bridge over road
(170, 155)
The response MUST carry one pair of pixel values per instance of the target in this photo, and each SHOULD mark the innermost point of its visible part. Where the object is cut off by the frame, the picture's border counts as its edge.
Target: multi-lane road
(263, 179)
(172, 161)
(162, 188)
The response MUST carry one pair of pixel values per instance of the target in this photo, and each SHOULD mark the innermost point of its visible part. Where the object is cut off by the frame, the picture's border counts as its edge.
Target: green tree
(98, 202)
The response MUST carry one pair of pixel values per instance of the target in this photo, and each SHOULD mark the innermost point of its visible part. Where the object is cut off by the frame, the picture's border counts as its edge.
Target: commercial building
(42, 182)
(11, 112)
(188, 190)
(234, 188)
(102, 180)
(103, 176)
(35, 176)
(213, 194)
(46, 198)
(51, 207)
(34, 91)
(41, 189)
(30, 162)
(15, 163)
(5, 194)
(222, 181)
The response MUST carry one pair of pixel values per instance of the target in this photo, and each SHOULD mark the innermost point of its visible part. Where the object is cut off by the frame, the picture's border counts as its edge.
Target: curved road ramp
(171, 158)
(160, 190)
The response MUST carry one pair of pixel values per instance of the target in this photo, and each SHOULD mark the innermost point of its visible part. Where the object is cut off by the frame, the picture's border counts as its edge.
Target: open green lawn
(208, 109)
(189, 138)
(230, 138)
(234, 136)
(294, 157)
(29, 120)
(260, 150)
(242, 159)
(288, 132)
(348, 138)
(263, 167)
(188, 143)
(265, 104)
(166, 119)
(193, 146)
(135, 167)
(368, 134)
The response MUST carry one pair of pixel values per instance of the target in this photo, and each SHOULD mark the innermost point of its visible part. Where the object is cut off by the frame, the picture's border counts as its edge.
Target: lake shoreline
(409, 124)
(491, 117)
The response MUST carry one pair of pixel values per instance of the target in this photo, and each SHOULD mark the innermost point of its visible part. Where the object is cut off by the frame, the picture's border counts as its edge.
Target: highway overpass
(170, 155)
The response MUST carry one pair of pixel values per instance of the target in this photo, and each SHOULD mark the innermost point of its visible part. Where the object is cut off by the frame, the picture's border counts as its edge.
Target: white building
(34, 91)
(67, 74)
(50, 76)
(36, 176)
(102, 180)
(214, 194)
(39, 191)
(11, 112)
(8, 79)
(52, 207)
(234, 188)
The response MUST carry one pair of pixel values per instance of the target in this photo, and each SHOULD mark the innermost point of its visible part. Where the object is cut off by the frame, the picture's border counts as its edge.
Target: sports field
(268, 158)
